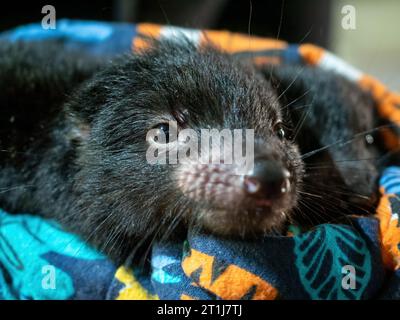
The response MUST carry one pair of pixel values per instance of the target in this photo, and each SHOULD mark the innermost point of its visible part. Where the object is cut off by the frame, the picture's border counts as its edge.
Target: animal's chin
(261, 220)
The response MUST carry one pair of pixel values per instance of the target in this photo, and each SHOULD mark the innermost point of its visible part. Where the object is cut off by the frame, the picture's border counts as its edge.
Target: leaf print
(320, 257)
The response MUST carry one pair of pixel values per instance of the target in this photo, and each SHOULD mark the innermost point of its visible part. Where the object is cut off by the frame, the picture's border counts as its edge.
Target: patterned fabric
(38, 260)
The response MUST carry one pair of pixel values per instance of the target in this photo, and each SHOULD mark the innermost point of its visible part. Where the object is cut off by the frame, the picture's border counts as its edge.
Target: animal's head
(337, 131)
(167, 89)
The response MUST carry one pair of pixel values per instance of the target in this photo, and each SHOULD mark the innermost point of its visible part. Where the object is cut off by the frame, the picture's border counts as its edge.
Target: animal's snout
(254, 201)
(267, 180)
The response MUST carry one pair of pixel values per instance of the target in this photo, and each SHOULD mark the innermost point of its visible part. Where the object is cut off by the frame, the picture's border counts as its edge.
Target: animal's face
(196, 90)
(341, 168)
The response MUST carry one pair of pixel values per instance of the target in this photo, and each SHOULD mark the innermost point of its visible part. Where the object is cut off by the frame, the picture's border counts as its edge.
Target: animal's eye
(280, 130)
(369, 139)
(166, 131)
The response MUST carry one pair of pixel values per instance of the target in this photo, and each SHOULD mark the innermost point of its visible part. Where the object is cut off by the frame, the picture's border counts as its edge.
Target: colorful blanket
(38, 260)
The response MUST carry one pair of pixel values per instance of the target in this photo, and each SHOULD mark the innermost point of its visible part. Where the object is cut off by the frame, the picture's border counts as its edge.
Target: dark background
(291, 20)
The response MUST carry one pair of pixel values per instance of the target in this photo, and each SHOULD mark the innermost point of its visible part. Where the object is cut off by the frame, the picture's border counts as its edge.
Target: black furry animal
(338, 130)
(73, 143)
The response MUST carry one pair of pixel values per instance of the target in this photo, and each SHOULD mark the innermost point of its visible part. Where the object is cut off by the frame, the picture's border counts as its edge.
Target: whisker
(302, 121)
(342, 143)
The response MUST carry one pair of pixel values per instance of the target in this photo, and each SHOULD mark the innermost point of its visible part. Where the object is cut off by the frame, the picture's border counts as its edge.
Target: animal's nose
(268, 179)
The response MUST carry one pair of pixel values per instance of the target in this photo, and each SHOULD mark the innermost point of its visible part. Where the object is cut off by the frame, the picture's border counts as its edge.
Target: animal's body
(73, 143)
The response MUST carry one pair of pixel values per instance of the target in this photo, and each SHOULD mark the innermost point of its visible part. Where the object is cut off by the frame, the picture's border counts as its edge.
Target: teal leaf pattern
(159, 274)
(320, 257)
(24, 241)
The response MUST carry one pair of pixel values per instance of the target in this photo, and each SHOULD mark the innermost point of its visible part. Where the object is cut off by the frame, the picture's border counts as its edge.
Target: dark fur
(332, 111)
(72, 138)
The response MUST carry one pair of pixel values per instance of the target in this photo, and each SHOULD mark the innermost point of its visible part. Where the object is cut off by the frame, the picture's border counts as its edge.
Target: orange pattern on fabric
(388, 102)
(267, 60)
(390, 233)
(390, 139)
(227, 41)
(146, 29)
(233, 283)
(236, 42)
(311, 54)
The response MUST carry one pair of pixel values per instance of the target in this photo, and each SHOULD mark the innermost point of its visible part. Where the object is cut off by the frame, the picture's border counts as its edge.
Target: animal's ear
(78, 130)
(83, 106)
(290, 85)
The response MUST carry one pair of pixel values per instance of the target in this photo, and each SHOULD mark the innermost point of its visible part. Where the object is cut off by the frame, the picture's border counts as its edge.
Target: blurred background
(373, 44)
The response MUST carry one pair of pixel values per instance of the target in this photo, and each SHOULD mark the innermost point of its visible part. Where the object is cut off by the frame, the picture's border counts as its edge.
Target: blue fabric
(28, 245)
(98, 38)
